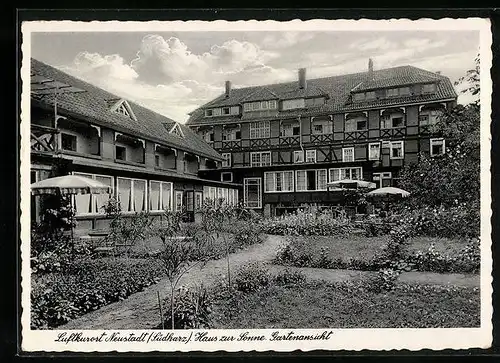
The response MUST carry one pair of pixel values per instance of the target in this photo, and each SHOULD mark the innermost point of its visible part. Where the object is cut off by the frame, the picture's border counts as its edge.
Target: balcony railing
(289, 140)
(321, 138)
(356, 135)
(43, 139)
(399, 131)
(231, 144)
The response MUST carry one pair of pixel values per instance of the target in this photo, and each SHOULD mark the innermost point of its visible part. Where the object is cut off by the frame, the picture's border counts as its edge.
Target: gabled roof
(339, 90)
(95, 105)
(260, 94)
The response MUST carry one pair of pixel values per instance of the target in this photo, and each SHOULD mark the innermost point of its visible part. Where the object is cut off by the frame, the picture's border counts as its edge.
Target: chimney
(302, 78)
(228, 89)
(370, 67)
(438, 72)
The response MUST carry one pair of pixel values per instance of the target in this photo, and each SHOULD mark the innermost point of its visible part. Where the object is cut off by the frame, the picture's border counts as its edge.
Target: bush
(87, 285)
(192, 309)
(462, 220)
(384, 280)
(245, 233)
(308, 223)
(251, 277)
(289, 277)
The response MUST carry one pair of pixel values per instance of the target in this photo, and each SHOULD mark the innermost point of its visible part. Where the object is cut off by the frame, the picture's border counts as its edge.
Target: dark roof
(338, 89)
(93, 103)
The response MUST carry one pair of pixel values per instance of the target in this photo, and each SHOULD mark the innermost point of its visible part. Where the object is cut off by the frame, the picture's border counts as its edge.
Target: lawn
(323, 305)
(364, 248)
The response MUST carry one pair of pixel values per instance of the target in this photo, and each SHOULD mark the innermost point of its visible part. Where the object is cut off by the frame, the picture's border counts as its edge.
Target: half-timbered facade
(285, 142)
(151, 162)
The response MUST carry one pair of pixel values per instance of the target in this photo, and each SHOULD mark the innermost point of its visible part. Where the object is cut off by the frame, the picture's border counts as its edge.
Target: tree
(452, 178)
(471, 81)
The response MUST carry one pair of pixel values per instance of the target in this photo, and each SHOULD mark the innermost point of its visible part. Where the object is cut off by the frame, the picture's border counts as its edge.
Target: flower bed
(87, 285)
(306, 223)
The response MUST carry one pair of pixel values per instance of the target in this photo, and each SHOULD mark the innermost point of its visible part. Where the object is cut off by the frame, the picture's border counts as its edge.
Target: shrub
(251, 277)
(384, 280)
(308, 223)
(245, 233)
(87, 285)
(192, 309)
(290, 277)
(293, 254)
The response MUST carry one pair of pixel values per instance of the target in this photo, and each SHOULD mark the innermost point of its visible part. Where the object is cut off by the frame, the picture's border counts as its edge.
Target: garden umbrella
(388, 193)
(352, 184)
(69, 185)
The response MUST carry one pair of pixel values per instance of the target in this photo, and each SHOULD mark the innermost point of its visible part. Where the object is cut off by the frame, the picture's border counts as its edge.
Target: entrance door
(252, 193)
(189, 203)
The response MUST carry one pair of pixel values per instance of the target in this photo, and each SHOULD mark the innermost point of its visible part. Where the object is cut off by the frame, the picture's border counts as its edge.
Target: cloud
(286, 39)
(95, 66)
(376, 44)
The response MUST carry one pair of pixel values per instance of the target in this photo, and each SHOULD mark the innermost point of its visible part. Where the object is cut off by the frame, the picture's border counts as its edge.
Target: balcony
(231, 144)
(393, 132)
(356, 135)
(321, 138)
(289, 141)
(43, 139)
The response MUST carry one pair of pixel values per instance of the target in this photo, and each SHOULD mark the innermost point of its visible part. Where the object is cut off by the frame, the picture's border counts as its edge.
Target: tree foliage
(471, 80)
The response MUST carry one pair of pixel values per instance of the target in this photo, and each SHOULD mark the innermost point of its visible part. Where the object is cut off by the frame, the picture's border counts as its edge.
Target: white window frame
(225, 173)
(177, 193)
(395, 92)
(310, 154)
(198, 201)
(272, 175)
(348, 173)
(226, 162)
(301, 159)
(209, 112)
(245, 184)
(92, 196)
(228, 111)
(306, 181)
(161, 194)
(273, 104)
(379, 150)
(402, 150)
(344, 149)
(260, 130)
(132, 193)
(378, 177)
(259, 163)
(435, 141)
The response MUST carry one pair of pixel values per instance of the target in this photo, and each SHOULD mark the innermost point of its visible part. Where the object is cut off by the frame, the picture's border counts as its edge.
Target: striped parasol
(69, 184)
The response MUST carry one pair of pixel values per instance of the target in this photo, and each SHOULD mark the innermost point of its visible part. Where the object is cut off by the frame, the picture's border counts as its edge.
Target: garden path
(140, 310)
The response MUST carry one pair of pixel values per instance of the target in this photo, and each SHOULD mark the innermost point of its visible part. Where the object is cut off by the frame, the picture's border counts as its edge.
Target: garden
(268, 270)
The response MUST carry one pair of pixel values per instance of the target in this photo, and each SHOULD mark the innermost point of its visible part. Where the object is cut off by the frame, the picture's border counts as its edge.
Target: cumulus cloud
(96, 66)
(286, 39)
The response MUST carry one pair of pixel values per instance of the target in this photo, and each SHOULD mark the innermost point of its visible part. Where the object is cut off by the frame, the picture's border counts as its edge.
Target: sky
(174, 73)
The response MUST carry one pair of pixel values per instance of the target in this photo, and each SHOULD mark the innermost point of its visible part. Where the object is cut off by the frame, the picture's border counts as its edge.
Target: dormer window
(222, 111)
(316, 101)
(429, 88)
(392, 92)
(358, 96)
(294, 104)
(209, 113)
(226, 110)
(370, 95)
(123, 108)
(260, 105)
(176, 130)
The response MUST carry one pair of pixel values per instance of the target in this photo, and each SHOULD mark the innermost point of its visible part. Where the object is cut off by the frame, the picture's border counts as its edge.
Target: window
(403, 91)
(209, 113)
(359, 96)
(132, 194)
(208, 136)
(278, 181)
(226, 110)
(157, 160)
(217, 112)
(289, 129)
(429, 88)
(198, 201)
(68, 142)
(121, 153)
(318, 129)
(355, 124)
(260, 158)
(392, 120)
(398, 122)
(260, 130)
(430, 117)
(397, 151)
(321, 127)
(160, 195)
(370, 95)
(310, 156)
(346, 173)
(382, 179)
(273, 105)
(178, 200)
(259, 105)
(347, 154)
(298, 156)
(122, 109)
(311, 180)
(252, 193)
(374, 151)
(316, 101)
(231, 134)
(226, 162)
(392, 92)
(226, 176)
(437, 147)
(92, 203)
